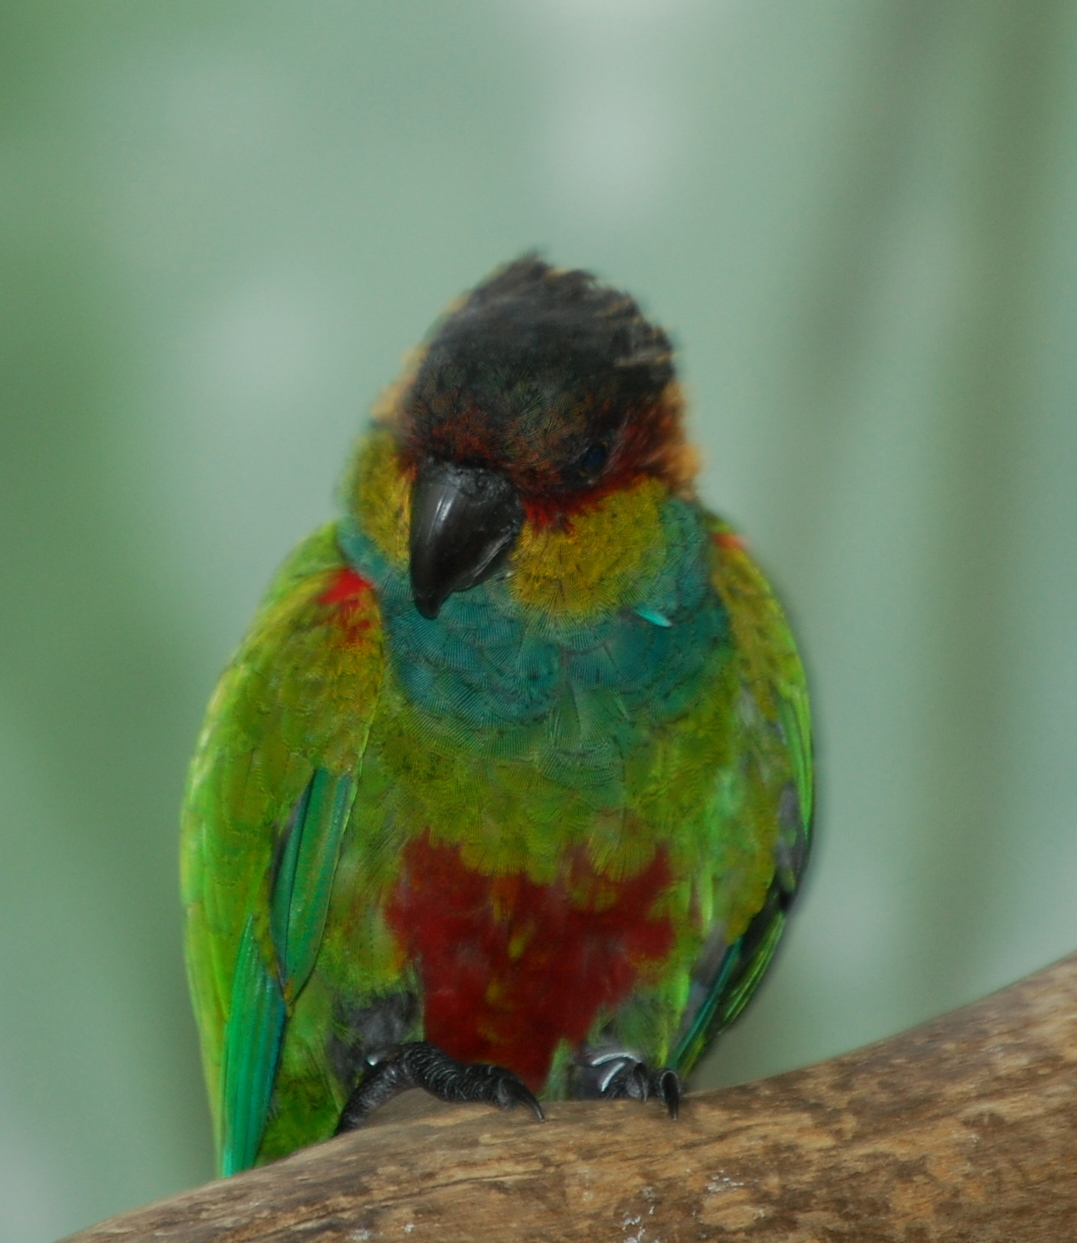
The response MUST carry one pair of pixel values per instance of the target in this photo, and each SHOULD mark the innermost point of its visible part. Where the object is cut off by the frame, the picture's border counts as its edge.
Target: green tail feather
(252, 1042)
(262, 997)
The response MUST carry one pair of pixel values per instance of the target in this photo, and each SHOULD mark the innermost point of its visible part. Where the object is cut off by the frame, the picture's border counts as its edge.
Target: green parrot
(508, 790)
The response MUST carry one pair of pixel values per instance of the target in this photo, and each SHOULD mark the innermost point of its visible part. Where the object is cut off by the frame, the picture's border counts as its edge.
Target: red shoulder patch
(345, 587)
(347, 594)
(509, 967)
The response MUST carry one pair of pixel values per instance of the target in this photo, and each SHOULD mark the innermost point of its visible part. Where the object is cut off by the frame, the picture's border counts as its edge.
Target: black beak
(464, 521)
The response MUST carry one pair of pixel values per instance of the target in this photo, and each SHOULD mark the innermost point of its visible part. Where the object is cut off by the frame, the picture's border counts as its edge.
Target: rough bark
(964, 1128)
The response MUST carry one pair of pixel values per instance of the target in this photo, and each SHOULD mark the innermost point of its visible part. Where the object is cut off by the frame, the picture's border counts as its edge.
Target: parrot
(507, 792)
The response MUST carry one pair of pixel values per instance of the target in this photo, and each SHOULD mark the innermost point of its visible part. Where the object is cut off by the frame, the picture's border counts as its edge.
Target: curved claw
(636, 1081)
(667, 1087)
(513, 1091)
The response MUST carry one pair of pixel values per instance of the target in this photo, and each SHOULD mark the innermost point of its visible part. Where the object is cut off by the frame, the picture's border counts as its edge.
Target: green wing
(268, 798)
(774, 752)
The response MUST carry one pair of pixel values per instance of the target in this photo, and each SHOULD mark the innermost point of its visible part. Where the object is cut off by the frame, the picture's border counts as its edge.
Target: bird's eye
(593, 458)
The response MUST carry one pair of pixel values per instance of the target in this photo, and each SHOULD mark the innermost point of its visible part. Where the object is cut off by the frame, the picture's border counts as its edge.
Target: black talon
(423, 1065)
(636, 1081)
(667, 1087)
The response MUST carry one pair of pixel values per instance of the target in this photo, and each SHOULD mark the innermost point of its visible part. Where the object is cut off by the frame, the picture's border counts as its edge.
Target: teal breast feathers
(501, 675)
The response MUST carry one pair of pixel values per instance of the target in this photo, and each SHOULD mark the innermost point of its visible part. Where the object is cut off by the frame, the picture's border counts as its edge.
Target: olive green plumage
(555, 815)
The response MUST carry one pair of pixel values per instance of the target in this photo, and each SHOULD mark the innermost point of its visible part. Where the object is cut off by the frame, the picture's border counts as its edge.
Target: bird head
(537, 396)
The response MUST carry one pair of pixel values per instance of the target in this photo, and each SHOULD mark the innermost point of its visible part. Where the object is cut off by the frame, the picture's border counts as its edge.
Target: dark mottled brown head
(539, 393)
(549, 378)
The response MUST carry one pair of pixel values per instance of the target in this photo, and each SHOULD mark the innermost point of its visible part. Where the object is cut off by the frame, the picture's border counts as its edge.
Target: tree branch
(962, 1129)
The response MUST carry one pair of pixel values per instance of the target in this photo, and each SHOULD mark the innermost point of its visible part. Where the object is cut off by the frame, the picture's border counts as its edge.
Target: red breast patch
(510, 967)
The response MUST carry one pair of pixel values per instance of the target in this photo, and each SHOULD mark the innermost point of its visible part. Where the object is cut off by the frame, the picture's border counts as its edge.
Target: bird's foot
(423, 1065)
(621, 1077)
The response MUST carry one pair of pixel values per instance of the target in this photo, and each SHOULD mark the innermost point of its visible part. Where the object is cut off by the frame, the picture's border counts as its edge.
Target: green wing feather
(269, 797)
(775, 747)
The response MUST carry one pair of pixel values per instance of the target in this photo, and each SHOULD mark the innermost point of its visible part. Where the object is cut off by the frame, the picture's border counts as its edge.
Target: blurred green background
(222, 225)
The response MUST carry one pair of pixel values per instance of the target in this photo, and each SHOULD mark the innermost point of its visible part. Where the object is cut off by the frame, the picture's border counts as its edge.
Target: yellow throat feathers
(602, 557)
